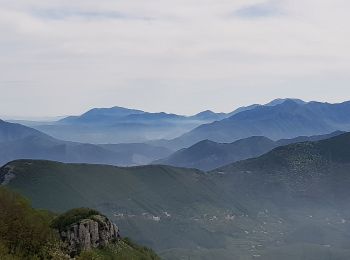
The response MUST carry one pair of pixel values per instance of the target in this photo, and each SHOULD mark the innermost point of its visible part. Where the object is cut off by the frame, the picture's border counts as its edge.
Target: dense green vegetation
(126, 250)
(73, 216)
(27, 233)
(146, 203)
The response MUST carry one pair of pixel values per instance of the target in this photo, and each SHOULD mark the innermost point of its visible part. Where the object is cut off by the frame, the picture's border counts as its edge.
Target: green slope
(147, 203)
(27, 233)
(317, 171)
(291, 203)
(208, 155)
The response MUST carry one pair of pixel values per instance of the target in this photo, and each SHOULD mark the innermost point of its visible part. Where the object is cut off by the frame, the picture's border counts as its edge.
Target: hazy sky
(61, 57)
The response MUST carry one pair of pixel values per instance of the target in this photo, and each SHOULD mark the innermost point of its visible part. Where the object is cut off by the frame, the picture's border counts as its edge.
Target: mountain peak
(204, 142)
(209, 115)
(112, 110)
(206, 112)
(101, 114)
(279, 101)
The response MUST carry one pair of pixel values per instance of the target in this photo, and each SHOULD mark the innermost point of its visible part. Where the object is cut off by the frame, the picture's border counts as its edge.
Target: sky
(63, 57)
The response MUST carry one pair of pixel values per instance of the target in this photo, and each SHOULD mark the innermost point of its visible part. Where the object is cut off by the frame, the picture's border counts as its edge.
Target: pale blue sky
(259, 10)
(63, 57)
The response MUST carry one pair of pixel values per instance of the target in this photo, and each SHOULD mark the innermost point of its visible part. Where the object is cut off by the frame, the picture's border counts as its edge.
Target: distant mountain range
(290, 203)
(21, 142)
(123, 125)
(114, 114)
(278, 120)
(208, 155)
(100, 115)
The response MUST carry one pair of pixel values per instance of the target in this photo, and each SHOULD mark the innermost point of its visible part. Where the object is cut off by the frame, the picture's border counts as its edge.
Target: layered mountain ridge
(288, 119)
(21, 142)
(124, 125)
(208, 155)
(290, 202)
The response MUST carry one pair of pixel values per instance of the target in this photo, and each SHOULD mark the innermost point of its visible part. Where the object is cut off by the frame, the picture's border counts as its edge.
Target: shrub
(73, 216)
(144, 251)
(24, 232)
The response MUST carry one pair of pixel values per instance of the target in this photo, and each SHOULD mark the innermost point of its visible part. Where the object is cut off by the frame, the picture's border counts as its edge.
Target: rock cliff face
(6, 175)
(93, 232)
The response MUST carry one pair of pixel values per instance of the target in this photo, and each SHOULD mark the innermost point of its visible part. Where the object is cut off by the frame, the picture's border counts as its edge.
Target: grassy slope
(27, 233)
(154, 200)
(267, 206)
(208, 155)
(124, 250)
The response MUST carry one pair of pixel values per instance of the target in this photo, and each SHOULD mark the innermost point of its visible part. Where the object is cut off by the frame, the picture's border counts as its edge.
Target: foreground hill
(291, 203)
(18, 142)
(156, 203)
(27, 233)
(208, 155)
(288, 119)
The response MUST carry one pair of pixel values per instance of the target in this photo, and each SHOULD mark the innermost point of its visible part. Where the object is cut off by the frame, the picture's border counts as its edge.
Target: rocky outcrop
(86, 234)
(6, 174)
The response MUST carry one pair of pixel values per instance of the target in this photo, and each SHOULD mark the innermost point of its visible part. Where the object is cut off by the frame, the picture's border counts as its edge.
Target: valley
(292, 197)
(254, 198)
(174, 130)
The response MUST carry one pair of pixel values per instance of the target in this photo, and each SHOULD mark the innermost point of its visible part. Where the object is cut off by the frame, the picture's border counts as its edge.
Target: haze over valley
(278, 187)
(175, 130)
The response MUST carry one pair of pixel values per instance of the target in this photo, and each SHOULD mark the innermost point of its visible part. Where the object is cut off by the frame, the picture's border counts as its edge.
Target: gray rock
(6, 175)
(96, 231)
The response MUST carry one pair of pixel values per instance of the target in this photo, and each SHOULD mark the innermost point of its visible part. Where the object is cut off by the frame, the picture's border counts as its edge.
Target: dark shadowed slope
(208, 155)
(20, 142)
(286, 120)
(315, 171)
(10, 132)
